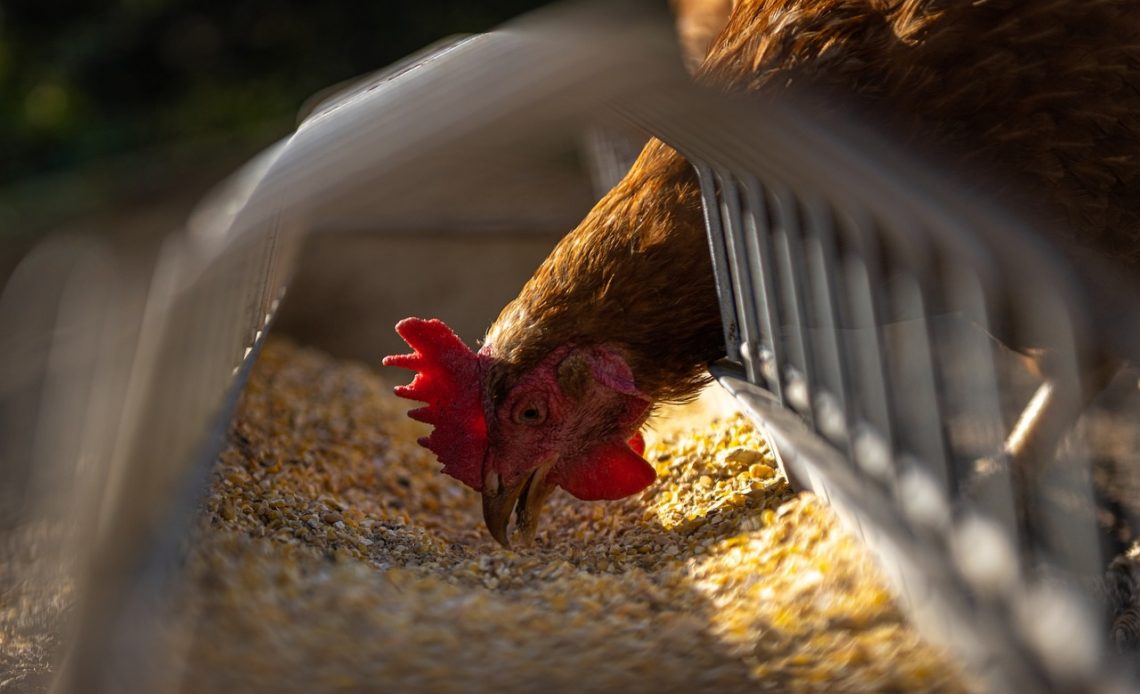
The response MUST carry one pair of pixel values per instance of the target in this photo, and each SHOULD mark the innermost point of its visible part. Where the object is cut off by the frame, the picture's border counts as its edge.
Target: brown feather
(635, 274)
(1045, 94)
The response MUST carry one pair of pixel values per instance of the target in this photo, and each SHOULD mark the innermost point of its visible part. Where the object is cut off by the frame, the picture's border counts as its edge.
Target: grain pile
(36, 596)
(332, 555)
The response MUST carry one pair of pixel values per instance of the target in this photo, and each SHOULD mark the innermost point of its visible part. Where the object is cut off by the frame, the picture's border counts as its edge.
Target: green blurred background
(106, 100)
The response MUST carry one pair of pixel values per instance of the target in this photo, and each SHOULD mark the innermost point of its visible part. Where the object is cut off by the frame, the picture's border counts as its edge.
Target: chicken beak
(531, 501)
(498, 502)
(527, 498)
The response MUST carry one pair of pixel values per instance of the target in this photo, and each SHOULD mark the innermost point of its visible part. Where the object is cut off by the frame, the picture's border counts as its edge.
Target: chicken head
(571, 421)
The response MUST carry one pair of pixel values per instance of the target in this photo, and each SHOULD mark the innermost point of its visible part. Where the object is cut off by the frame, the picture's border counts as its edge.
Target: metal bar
(797, 373)
(833, 415)
(758, 240)
(719, 254)
(734, 242)
(872, 437)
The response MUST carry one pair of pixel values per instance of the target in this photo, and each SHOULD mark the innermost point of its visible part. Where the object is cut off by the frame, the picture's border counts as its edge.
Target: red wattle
(637, 443)
(609, 471)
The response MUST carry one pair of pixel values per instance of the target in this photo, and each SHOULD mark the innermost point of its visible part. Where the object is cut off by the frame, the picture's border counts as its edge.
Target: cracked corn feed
(331, 554)
(36, 596)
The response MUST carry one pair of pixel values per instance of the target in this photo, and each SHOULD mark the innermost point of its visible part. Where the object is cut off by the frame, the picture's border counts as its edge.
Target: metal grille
(858, 332)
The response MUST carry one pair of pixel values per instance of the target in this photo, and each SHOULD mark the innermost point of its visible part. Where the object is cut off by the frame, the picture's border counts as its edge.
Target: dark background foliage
(83, 81)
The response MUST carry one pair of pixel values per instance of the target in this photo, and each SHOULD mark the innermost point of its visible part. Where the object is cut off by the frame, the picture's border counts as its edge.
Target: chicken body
(1044, 95)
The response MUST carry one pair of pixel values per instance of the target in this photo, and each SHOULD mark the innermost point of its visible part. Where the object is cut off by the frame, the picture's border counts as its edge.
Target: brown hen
(624, 315)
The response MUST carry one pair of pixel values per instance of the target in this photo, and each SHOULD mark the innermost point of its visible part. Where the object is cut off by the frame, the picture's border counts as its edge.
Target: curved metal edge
(918, 567)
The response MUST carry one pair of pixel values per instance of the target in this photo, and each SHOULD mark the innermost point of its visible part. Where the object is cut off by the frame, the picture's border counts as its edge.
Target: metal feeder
(857, 289)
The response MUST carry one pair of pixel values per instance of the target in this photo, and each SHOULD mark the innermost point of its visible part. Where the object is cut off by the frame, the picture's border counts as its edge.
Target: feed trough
(858, 289)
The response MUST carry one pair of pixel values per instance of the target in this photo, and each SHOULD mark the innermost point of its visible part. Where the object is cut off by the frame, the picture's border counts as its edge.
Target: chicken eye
(531, 413)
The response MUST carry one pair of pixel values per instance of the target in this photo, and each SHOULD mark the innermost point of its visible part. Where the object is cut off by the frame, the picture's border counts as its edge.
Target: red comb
(448, 379)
